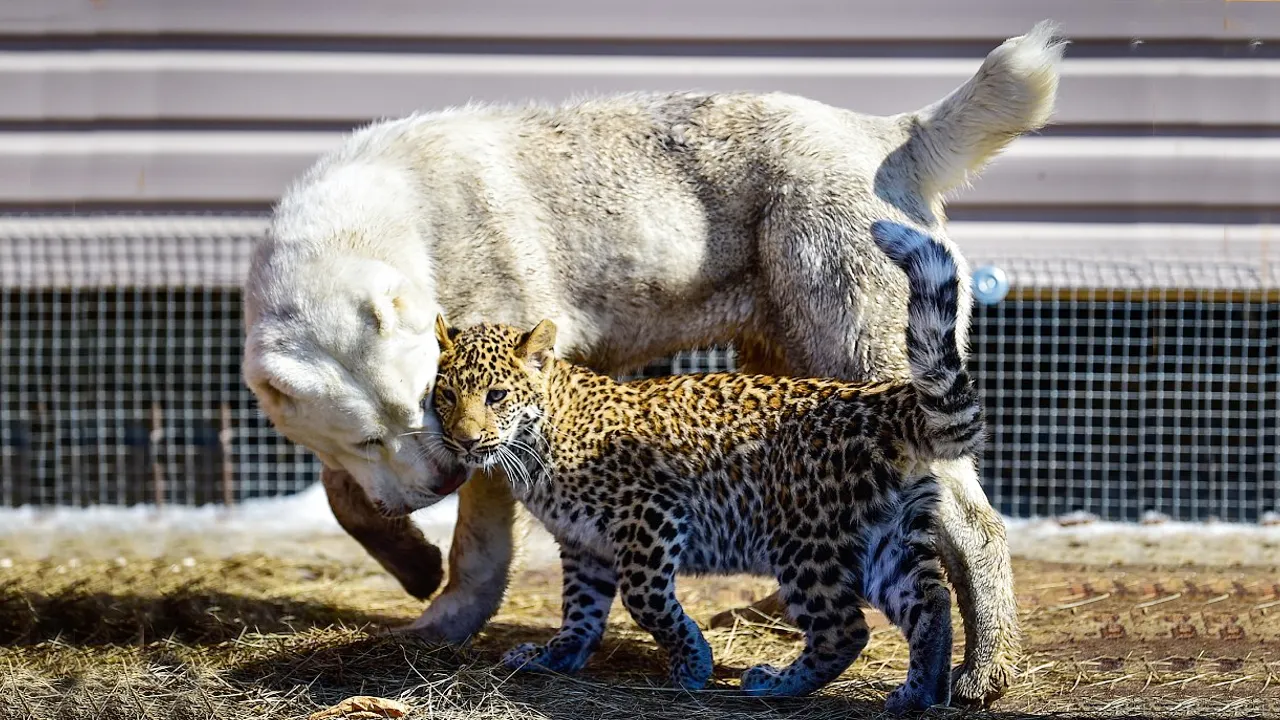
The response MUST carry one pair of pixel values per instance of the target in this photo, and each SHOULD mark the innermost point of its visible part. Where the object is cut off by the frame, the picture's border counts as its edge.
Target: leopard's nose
(468, 443)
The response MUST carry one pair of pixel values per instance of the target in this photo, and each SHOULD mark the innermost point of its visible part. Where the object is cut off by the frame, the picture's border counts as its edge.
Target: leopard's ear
(445, 334)
(538, 346)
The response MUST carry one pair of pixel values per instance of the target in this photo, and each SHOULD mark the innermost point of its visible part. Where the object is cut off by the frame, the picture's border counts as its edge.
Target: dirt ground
(94, 629)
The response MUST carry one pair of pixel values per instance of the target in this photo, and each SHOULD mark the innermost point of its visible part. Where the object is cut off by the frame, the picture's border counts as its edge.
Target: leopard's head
(490, 388)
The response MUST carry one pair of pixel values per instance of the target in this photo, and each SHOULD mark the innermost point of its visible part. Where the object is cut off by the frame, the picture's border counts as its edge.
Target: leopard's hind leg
(589, 587)
(822, 599)
(902, 577)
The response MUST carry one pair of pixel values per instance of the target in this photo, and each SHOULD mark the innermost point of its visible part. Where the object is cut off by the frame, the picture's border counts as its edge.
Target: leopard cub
(822, 484)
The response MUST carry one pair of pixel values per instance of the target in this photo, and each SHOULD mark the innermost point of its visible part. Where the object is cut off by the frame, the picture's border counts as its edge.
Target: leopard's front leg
(589, 587)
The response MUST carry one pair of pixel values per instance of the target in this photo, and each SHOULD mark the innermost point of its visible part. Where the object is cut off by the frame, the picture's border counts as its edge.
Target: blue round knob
(990, 284)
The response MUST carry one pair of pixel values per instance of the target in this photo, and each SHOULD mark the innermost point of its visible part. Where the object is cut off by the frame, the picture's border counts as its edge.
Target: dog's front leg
(396, 543)
(479, 562)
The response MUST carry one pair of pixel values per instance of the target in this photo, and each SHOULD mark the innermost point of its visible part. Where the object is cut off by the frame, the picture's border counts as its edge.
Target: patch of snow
(1152, 526)
(303, 513)
(1153, 540)
(304, 520)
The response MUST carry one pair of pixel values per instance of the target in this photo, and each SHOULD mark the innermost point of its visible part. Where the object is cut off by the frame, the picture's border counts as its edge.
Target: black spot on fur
(830, 575)
(823, 554)
(642, 536)
(653, 518)
(603, 587)
(806, 579)
(863, 491)
(655, 558)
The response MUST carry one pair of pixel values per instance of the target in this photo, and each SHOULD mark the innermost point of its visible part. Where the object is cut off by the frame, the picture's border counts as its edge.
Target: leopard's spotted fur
(821, 483)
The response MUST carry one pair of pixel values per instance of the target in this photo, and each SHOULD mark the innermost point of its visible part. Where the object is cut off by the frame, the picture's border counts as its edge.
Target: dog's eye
(494, 397)
(446, 394)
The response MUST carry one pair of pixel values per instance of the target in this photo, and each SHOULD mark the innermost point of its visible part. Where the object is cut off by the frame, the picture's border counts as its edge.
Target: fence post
(228, 468)
(157, 467)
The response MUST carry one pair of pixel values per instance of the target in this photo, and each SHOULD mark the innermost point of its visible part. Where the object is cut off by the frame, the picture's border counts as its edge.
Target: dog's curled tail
(1011, 94)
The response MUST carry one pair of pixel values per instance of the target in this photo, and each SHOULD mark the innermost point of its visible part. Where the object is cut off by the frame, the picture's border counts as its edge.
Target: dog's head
(345, 367)
(340, 348)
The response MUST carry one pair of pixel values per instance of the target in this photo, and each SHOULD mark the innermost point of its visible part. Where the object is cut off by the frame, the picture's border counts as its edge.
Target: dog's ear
(445, 334)
(391, 310)
(389, 296)
(538, 345)
(281, 382)
(270, 394)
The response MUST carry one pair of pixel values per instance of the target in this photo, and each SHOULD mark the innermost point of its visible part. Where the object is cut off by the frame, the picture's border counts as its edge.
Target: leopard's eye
(446, 394)
(495, 396)
(371, 443)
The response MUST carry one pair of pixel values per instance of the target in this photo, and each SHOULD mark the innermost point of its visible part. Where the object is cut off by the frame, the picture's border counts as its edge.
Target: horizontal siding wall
(254, 167)
(1133, 366)
(655, 19)
(1169, 108)
(344, 86)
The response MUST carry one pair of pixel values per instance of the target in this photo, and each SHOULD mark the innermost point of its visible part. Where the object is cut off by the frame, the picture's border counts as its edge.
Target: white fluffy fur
(640, 224)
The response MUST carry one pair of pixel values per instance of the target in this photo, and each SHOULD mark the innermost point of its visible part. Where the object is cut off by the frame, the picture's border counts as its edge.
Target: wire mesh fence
(1113, 387)
(120, 351)
(1154, 390)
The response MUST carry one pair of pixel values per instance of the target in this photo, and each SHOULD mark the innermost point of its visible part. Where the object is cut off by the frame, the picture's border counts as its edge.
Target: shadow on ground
(624, 680)
(204, 603)
(198, 617)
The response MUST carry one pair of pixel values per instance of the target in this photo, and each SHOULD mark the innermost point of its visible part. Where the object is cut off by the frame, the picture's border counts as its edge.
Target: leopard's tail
(951, 415)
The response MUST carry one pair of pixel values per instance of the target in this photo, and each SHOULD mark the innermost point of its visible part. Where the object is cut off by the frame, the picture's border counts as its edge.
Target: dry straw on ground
(258, 636)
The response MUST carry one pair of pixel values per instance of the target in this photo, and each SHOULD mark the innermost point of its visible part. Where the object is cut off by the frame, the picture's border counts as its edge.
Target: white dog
(642, 224)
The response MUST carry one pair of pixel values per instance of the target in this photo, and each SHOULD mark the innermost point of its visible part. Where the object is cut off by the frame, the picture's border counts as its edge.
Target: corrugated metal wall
(1165, 148)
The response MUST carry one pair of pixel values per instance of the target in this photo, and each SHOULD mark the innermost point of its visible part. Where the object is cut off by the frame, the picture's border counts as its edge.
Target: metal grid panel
(122, 386)
(1119, 401)
(127, 389)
